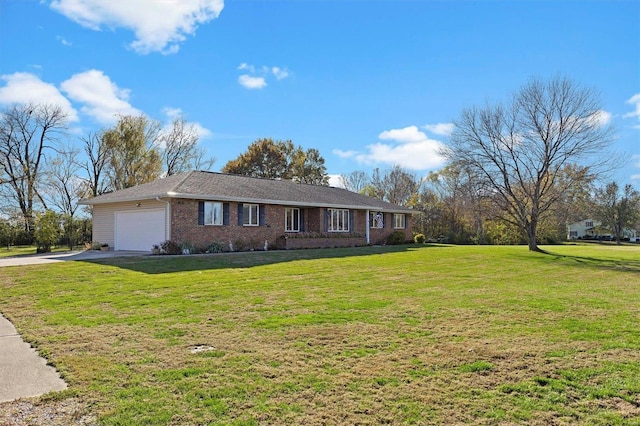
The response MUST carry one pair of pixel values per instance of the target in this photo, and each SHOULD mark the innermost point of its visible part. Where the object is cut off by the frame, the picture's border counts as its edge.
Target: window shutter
(406, 221)
(351, 224)
(261, 214)
(302, 220)
(240, 214)
(200, 212)
(225, 213)
(326, 220)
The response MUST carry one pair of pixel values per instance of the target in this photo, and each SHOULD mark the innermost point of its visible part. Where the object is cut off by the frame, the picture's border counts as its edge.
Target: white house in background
(584, 228)
(589, 229)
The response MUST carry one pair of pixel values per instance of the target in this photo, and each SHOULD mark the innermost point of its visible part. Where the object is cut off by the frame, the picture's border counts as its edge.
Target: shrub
(419, 239)
(215, 247)
(171, 247)
(396, 237)
(47, 231)
(239, 245)
(188, 248)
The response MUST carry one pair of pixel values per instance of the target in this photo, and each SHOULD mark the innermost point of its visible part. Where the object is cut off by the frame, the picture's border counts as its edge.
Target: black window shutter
(240, 214)
(200, 212)
(326, 220)
(261, 214)
(406, 221)
(225, 213)
(351, 224)
(302, 220)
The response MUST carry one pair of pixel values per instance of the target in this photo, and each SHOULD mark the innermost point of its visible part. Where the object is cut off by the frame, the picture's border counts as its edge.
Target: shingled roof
(224, 187)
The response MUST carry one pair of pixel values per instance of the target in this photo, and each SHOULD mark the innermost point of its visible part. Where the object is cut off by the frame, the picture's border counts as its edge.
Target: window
(338, 220)
(291, 220)
(250, 214)
(398, 221)
(212, 213)
(589, 224)
(377, 220)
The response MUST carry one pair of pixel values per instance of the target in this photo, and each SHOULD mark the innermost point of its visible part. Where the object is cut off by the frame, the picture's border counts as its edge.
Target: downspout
(367, 229)
(167, 216)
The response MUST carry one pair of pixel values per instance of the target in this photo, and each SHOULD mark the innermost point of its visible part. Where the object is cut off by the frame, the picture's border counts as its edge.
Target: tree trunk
(531, 237)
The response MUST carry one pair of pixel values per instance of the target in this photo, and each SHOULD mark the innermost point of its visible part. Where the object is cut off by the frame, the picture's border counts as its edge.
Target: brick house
(242, 212)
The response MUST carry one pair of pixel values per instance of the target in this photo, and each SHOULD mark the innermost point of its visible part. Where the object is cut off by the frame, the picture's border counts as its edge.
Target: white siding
(104, 218)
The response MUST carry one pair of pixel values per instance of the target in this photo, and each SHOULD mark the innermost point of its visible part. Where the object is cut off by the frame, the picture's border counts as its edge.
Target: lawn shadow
(198, 262)
(618, 265)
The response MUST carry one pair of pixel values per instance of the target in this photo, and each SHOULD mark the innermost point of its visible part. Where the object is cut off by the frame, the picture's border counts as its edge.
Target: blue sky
(370, 83)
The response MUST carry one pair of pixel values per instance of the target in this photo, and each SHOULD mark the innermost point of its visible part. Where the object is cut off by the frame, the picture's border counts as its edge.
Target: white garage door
(139, 230)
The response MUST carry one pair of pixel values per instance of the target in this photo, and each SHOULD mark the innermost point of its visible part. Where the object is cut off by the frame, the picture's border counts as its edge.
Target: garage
(139, 230)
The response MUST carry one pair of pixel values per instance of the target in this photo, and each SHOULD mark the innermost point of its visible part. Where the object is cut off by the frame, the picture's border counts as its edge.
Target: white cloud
(335, 181)
(256, 77)
(280, 73)
(23, 87)
(409, 134)
(102, 99)
(409, 148)
(64, 41)
(173, 113)
(250, 82)
(602, 117)
(345, 154)
(635, 101)
(159, 26)
(441, 129)
(245, 66)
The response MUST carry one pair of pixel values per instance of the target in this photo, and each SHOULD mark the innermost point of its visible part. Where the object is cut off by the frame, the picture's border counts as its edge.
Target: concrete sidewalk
(23, 373)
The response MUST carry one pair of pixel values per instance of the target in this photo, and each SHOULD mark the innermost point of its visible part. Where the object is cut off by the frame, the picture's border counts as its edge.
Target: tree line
(41, 170)
(517, 172)
(454, 206)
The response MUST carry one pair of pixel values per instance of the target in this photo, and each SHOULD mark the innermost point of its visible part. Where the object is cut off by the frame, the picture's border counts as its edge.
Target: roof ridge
(186, 176)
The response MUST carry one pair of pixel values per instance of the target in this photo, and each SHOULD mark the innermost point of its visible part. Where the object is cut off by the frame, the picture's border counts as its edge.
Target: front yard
(372, 335)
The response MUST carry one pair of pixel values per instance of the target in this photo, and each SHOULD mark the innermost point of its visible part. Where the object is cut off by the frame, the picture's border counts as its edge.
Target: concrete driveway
(39, 259)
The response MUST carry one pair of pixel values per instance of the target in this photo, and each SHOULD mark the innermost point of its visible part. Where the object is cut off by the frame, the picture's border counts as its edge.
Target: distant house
(584, 228)
(590, 229)
(200, 208)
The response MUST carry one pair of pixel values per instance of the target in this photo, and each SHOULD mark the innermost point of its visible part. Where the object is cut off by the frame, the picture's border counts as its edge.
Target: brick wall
(185, 228)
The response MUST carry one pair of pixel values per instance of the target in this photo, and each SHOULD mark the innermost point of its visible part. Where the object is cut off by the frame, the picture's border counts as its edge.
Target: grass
(26, 250)
(378, 335)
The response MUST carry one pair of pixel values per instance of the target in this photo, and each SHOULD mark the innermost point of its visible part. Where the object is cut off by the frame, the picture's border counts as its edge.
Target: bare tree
(519, 150)
(181, 152)
(96, 165)
(64, 188)
(354, 181)
(397, 186)
(27, 133)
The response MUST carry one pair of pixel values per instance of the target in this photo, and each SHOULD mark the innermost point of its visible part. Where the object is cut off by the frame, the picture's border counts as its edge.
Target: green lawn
(24, 250)
(378, 335)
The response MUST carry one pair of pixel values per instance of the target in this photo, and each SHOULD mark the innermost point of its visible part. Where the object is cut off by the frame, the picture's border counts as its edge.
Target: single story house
(241, 212)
